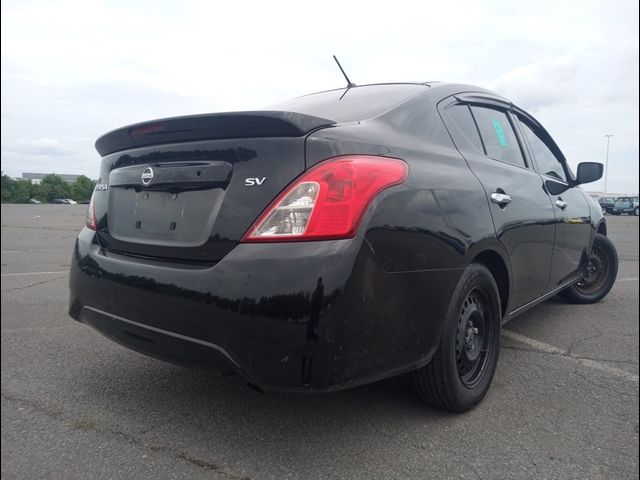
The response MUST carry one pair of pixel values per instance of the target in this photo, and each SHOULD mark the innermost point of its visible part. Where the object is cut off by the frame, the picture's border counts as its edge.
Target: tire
(599, 275)
(461, 370)
(604, 211)
(636, 211)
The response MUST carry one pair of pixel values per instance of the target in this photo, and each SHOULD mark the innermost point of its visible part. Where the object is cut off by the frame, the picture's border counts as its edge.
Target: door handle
(561, 204)
(500, 198)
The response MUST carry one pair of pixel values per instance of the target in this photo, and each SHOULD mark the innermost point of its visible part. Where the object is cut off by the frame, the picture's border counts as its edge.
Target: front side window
(545, 159)
(499, 139)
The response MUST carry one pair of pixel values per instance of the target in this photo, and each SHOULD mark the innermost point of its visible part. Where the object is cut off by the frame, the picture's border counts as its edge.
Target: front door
(573, 217)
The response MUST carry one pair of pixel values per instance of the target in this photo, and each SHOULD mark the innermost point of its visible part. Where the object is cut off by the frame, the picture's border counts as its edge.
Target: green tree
(54, 186)
(36, 191)
(6, 189)
(82, 188)
(21, 191)
(15, 191)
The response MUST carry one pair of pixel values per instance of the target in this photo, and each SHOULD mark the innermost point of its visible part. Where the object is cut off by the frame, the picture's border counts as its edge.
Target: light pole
(606, 163)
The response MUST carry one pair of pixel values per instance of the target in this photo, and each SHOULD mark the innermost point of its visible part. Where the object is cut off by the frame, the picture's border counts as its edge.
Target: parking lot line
(33, 273)
(587, 362)
(633, 279)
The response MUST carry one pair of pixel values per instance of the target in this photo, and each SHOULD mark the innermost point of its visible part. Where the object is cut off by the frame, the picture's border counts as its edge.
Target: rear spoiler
(212, 126)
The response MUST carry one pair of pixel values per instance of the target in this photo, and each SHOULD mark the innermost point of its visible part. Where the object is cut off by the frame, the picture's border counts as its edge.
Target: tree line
(52, 186)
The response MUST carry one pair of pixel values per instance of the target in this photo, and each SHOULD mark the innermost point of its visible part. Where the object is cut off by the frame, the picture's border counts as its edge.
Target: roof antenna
(349, 82)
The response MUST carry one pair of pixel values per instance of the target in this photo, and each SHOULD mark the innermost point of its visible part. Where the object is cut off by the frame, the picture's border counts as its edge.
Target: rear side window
(461, 115)
(499, 139)
(546, 161)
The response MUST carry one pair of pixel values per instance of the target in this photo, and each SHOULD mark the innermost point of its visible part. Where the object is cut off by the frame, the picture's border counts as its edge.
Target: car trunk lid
(186, 189)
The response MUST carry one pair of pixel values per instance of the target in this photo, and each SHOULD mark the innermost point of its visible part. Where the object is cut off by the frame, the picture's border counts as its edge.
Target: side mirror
(589, 172)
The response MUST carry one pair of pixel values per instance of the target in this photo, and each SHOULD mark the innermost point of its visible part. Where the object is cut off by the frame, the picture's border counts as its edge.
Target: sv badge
(254, 181)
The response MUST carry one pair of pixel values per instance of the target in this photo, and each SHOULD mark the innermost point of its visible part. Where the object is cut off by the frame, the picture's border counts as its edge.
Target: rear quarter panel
(422, 234)
(439, 218)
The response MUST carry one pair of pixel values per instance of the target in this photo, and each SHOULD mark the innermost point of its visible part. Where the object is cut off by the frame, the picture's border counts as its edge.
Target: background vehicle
(328, 242)
(626, 205)
(33, 200)
(64, 201)
(607, 204)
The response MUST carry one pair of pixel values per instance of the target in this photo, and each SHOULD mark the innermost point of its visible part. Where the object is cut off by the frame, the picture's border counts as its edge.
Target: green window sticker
(502, 138)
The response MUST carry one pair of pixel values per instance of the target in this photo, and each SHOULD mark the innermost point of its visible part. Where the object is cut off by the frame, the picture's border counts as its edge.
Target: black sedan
(338, 238)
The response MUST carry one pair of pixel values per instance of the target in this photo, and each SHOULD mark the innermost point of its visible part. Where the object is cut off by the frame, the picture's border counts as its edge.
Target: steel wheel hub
(595, 271)
(471, 341)
(593, 267)
(473, 338)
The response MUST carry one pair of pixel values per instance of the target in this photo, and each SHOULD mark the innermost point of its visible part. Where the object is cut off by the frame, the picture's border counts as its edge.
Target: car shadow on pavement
(205, 413)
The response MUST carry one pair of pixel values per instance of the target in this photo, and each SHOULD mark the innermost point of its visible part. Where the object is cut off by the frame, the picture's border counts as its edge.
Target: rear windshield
(358, 103)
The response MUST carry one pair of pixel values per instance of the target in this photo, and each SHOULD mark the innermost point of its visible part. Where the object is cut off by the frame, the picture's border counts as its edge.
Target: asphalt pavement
(563, 404)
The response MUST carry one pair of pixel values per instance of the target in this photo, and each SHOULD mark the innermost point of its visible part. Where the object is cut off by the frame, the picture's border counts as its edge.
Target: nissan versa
(338, 238)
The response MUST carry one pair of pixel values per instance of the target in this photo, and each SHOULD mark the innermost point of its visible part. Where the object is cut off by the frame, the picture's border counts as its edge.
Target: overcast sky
(73, 70)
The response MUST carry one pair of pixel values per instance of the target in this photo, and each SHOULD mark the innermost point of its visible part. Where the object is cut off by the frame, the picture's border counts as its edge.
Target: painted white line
(32, 273)
(613, 371)
(546, 348)
(633, 279)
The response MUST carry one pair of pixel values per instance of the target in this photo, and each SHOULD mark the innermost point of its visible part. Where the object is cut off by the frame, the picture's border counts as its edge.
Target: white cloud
(546, 81)
(73, 69)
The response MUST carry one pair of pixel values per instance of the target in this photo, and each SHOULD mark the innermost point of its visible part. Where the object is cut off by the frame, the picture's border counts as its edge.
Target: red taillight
(328, 201)
(91, 213)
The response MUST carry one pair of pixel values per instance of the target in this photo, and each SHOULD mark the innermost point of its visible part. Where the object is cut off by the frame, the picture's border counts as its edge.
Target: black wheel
(636, 212)
(604, 211)
(460, 373)
(598, 276)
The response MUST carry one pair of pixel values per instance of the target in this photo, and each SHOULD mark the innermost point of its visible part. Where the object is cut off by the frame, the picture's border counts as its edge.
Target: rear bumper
(156, 342)
(301, 316)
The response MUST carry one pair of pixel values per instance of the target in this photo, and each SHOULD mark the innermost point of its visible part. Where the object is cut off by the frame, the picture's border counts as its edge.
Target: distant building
(36, 178)
(608, 194)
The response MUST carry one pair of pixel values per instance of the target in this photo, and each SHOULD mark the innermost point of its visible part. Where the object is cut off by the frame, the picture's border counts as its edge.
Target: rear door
(522, 212)
(573, 216)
